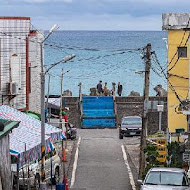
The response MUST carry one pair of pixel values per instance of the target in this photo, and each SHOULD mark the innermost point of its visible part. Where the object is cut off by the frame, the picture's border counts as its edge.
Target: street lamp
(43, 183)
(53, 29)
(64, 60)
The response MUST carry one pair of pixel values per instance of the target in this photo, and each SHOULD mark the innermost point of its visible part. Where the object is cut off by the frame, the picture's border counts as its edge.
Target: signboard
(186, 156)
(160, 108)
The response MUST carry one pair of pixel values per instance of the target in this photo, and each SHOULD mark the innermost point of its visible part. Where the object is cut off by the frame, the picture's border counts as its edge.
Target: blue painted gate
(98, 112)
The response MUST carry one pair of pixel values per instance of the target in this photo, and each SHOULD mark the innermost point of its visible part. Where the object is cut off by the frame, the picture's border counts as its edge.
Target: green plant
(174, 155)
(151, 155)
(39, 115)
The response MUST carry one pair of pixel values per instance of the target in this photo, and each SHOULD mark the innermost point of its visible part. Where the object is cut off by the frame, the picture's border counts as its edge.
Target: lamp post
(43, 73)
(43, 184)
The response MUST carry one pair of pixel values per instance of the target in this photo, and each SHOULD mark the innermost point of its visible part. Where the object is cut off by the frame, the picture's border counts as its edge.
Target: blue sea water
(103, 55)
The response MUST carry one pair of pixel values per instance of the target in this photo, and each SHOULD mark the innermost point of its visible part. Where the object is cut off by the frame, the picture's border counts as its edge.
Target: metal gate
(98, 112)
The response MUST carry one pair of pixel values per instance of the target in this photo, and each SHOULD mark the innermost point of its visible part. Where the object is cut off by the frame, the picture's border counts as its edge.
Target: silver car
(130, 126)
(165, 179)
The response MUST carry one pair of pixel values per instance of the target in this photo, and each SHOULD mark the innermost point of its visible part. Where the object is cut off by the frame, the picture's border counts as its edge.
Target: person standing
(105, 89)
(99, 88)
(113, 89)
(119, 89)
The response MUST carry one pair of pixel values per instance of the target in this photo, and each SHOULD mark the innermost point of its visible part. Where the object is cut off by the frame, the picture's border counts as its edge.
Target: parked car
(34, 171)
(165, 179)
(130, 126)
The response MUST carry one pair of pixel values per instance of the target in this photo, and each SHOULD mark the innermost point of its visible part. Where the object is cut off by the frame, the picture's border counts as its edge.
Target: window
(166, 178)
(182, 52)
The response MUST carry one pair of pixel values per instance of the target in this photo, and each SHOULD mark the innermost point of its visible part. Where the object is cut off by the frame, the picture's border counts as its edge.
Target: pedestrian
(119, 89)
(105, 89)
(99, 88)
(113, 88)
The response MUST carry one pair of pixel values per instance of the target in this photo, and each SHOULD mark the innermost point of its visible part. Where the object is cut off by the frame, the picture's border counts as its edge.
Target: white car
(165, 179)
(33, 180)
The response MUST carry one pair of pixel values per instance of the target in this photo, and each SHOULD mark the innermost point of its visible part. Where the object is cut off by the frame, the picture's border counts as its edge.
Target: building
(20, 64)
(5, 161)
(177, 25)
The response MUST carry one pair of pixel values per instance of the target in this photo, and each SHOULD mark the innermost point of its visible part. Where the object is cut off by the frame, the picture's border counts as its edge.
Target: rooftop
(175, 21)
(9, 125)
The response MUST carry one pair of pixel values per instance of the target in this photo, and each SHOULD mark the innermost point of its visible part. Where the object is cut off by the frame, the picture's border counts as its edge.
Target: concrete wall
(175, 21)
(181, 85)
(74, 111)
(5, 161)
(126, 106)
(35, 61)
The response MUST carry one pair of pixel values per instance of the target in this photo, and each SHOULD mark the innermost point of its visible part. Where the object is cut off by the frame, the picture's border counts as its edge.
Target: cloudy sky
(94, 14)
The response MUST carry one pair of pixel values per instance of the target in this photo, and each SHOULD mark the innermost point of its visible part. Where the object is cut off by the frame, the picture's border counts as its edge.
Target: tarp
(28, 135)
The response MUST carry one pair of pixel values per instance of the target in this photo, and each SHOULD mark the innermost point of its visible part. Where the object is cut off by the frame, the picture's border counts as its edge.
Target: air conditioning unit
(13, 88)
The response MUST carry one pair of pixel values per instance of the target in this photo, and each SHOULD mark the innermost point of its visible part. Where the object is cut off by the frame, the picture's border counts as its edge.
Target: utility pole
(61, 101)
(48, 110)
(145, 110)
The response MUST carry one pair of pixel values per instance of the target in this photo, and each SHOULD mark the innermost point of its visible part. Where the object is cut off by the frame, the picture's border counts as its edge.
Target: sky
(94, 14)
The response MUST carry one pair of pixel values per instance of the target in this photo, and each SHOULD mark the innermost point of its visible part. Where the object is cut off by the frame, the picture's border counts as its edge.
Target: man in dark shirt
(99, 87)
(119, 89)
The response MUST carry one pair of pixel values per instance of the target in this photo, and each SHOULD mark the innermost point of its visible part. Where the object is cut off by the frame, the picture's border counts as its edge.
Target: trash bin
(60, 187)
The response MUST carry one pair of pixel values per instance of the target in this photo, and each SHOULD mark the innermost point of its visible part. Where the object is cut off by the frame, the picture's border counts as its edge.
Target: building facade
(19, 64)
(34, 71)
(177, 25)
(5, 161)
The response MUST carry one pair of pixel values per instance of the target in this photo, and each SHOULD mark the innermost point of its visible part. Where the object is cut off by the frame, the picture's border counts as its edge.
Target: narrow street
(101, 164)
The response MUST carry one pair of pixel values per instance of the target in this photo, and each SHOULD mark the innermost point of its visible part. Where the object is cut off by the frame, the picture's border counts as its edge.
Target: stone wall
(74, 111)
(5, 166)
(126, 106)
(131, 106)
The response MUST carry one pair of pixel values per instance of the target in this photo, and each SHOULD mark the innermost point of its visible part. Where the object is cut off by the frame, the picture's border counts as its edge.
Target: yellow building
(177, 25)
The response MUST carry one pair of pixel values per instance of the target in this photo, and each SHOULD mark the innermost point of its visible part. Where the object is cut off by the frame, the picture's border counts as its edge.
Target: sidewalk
(132, 146)
(134, 151)
(68, 165)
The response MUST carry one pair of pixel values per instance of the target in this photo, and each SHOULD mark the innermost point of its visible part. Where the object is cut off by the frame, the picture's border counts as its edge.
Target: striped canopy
(28, 135)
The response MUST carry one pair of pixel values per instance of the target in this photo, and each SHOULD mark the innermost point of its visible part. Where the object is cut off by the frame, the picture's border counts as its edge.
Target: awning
(28, 135)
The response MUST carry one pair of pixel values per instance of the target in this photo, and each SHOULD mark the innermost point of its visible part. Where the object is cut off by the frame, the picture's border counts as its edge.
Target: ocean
(110, 56)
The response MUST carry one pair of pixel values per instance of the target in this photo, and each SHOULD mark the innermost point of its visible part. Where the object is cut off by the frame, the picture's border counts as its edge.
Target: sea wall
(126, 106)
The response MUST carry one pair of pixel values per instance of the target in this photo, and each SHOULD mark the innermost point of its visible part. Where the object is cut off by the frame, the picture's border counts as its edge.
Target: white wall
(35, 60)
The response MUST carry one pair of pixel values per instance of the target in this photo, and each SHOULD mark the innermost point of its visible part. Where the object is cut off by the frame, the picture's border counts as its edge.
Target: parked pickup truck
(130, 126)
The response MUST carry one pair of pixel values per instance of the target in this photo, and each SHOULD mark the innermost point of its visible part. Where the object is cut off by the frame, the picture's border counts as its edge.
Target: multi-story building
(19, 64)
(178, 25)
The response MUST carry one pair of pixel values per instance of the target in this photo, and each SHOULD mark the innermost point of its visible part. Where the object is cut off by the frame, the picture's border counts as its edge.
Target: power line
(170, 85)
(181, 41)
(179, 56)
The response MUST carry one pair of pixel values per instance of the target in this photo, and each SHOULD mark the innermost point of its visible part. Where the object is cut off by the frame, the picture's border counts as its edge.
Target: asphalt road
(101, 164)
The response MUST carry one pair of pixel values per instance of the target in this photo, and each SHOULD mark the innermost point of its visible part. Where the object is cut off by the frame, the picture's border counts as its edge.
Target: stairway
(98, 112)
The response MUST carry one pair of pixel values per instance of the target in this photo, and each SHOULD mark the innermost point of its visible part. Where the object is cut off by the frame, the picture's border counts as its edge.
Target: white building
(19, 64)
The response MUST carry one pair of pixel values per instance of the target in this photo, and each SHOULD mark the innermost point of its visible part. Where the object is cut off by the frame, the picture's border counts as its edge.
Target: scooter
(71, 132)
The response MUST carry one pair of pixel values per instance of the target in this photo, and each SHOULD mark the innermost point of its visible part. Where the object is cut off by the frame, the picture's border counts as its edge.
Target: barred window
(182, 52)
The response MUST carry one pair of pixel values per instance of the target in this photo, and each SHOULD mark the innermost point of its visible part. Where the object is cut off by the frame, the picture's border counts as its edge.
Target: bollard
(66, 186)
(64, 155)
